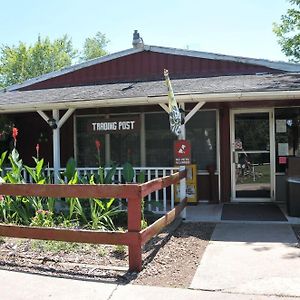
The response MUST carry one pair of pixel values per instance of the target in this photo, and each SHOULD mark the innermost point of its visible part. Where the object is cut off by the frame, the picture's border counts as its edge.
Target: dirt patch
(170, 259)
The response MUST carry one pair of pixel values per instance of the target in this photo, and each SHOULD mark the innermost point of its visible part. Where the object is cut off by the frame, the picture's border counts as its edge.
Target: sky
(232, 27)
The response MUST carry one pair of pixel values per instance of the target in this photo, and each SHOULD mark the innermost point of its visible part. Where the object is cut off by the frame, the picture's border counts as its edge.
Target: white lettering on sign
(113, 126)
(126, 125)
(104, 126)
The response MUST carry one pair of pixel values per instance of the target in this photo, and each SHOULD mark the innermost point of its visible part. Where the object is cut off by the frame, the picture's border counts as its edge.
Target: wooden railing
(134, 238)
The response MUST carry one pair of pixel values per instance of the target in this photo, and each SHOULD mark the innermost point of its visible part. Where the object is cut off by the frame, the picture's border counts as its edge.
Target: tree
(21, 62)
(287, 31)
(95, 47)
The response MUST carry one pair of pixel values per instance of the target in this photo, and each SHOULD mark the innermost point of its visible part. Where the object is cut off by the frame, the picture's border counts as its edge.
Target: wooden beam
(68, 235)
(43, 115)
(78, 190)
(158, 225)
(193, 111)
(165, 107)
(160, 183)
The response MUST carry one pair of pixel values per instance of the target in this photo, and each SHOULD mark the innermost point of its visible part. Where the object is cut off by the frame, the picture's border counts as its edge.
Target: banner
(174, 114)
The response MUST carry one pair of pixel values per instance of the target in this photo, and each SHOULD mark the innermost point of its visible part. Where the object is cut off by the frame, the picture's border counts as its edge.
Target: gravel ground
(170, 259)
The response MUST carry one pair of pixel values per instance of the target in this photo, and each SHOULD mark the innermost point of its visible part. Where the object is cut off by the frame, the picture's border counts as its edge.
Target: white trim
(143, 139)
(151, 100)
(65, 117)
(218, 154)
(107, 146)
(73, 68)
(233, 112)
(277, 65)
(193, 111)
(56, 146)
(164, 107)
(43, 115)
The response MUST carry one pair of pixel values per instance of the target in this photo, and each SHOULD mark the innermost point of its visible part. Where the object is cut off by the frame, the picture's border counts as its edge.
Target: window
(87, 154)
(287, 135)
(124, 133)
(159, 140)
(201, 131)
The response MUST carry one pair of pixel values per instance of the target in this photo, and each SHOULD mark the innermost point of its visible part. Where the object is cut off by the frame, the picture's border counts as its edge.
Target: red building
(242, 116)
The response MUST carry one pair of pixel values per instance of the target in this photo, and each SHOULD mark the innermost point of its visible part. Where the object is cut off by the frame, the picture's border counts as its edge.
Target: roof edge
(71, 68)
(277, 65)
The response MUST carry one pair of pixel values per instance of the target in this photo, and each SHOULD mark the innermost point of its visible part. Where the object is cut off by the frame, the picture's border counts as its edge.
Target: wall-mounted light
(52, 123)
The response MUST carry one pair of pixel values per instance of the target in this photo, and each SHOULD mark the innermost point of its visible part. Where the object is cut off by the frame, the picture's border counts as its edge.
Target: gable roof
(276, 65)
(211, 89)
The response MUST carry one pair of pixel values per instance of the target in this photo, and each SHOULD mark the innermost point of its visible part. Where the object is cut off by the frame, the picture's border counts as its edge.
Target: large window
(201, 131)
(159, 140)
(124, 140)
(287, 135)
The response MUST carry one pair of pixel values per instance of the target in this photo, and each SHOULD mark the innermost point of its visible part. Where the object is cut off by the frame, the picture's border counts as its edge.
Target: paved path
(253, 259)
(23, 286)
(242, 262)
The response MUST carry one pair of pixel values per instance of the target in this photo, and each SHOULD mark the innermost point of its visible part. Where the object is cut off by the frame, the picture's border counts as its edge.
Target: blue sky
(234, 27)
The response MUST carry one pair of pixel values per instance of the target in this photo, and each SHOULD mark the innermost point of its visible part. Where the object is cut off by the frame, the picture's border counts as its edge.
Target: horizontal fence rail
(134, 238)
(158, 201)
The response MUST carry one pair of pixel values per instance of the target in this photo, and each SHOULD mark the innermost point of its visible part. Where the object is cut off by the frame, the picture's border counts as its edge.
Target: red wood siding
(148, 65)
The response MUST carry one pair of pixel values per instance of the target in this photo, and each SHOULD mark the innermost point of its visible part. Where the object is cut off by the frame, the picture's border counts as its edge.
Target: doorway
(252, 148)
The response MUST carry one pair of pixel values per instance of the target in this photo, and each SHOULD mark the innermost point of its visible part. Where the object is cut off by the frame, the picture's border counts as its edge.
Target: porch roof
(211, 89)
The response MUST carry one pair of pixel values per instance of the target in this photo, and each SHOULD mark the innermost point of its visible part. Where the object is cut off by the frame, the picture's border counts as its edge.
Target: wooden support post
(134, 226)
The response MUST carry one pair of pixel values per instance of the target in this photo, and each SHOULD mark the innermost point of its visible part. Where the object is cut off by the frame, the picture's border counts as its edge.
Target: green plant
(120, 249)
(42, 218)
(128, 172)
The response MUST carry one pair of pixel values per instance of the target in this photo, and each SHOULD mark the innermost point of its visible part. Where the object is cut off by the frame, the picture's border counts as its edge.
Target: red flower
(1, 198)
(37, 148)
(98, 144)
(14, 133)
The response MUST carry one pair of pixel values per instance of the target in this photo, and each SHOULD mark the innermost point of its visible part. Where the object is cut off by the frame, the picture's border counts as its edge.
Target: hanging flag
(174, 113)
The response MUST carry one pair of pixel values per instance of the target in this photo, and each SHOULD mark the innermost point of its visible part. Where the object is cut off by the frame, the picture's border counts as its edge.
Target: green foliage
(287, 31)
(42, 218)
(128, 172)
(22, 62)
(95, 47)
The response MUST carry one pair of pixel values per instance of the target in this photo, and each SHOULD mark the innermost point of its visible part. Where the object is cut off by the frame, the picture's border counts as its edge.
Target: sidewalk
(242, 261)
(256, 259)
(22, 286)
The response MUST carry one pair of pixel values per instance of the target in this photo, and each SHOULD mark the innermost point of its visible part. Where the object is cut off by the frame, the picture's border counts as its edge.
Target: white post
(182, 187)
(143, 140)
(182, 168)
(56, 146)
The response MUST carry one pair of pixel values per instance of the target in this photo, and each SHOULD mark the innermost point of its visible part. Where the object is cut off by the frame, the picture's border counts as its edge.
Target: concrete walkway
(22, 286)
(243, 261)
(252, 259)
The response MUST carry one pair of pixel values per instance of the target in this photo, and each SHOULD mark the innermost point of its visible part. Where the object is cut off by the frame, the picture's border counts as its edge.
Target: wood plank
(160, 183)
(76, 190)
(158, 225)
(69, 235)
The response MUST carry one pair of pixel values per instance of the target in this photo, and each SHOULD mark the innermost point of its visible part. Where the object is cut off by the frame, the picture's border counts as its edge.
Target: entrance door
(252, 153)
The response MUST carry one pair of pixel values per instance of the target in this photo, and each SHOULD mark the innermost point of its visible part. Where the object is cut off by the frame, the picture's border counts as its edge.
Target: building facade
(242, 117)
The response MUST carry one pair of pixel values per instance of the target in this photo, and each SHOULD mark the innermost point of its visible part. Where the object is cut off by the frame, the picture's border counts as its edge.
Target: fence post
(182, 191)
(134, 226)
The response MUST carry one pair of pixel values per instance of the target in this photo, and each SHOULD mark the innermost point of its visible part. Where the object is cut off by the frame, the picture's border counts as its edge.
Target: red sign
(182, 152)
(282, 160)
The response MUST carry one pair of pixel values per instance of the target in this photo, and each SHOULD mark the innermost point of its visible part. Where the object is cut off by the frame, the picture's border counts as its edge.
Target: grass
(261, 175)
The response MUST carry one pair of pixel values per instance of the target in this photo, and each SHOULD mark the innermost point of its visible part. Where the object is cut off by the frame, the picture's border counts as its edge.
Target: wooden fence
(134, 238)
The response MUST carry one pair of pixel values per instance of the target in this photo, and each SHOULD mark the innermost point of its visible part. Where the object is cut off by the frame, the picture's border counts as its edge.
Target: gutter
(152, 100)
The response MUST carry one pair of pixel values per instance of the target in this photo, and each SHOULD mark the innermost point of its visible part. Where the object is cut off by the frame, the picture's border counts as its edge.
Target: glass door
(251, 156)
